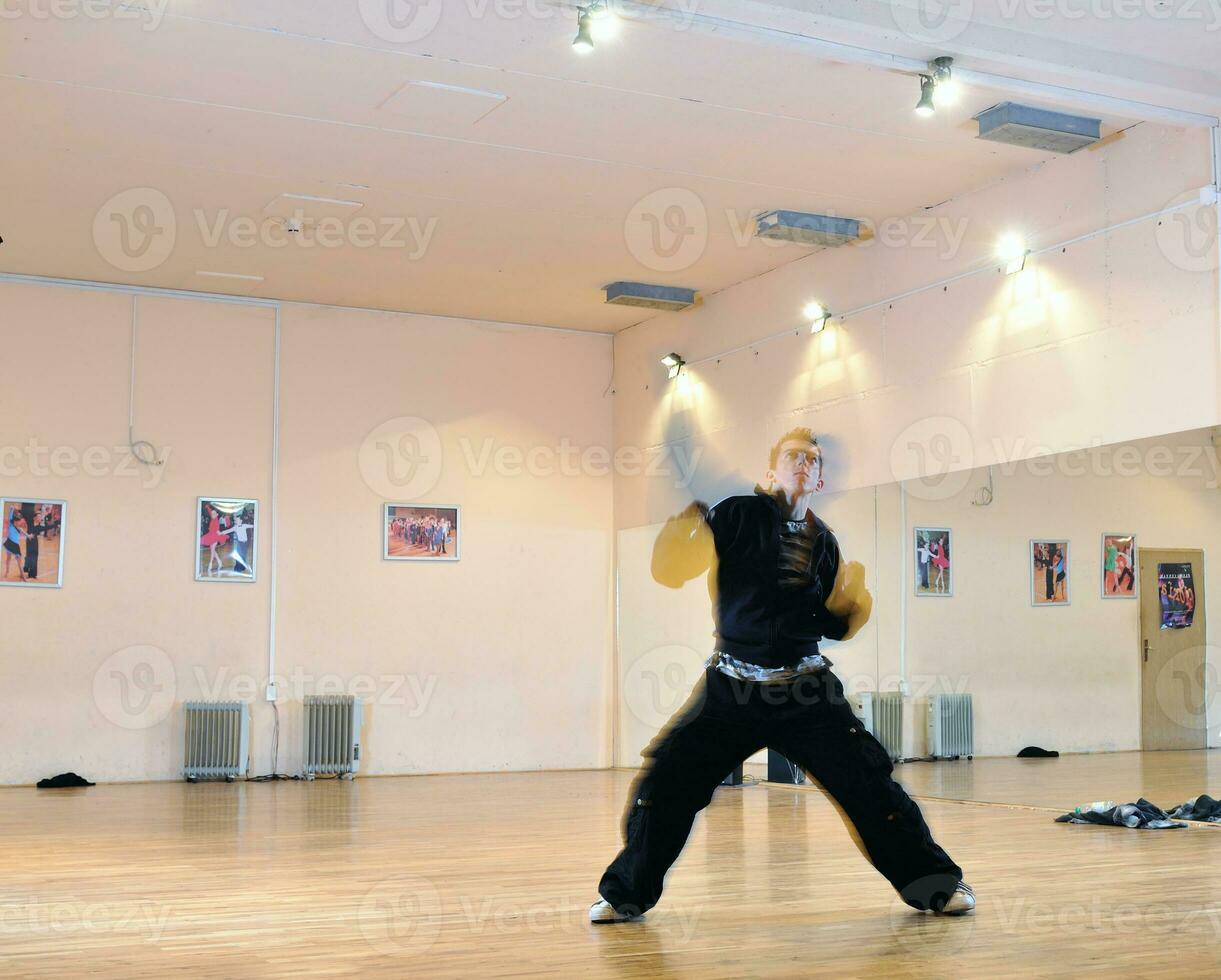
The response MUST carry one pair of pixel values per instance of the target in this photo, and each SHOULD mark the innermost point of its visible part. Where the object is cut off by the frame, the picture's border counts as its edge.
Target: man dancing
(778, 587)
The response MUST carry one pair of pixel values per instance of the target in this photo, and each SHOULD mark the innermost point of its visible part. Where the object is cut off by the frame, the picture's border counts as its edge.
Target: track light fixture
(584, 41)
(674, 364)
(596, 21)
(938, 87)
(926, 107)
(945, 86)
(1012, 252)
(817, 315)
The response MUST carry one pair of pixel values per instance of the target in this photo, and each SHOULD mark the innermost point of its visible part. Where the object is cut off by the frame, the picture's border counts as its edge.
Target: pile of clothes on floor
(1143, 815)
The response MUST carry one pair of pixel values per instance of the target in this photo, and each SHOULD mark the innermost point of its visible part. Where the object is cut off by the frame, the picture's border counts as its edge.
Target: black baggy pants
(810, 722)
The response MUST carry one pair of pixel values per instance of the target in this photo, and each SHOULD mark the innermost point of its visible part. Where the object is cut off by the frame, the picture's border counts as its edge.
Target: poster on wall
(934, 565)
(414, 532)
(1049, 579)
(1176, 594)
(226, 529)
(1119, 566)
(33, 542)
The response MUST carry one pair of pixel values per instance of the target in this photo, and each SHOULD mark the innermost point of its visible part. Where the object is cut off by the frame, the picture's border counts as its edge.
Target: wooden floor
(491, 875)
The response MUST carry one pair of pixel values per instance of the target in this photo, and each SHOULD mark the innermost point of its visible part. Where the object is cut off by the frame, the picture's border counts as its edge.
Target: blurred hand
(696, 512)
(684, 548)
(849, 599)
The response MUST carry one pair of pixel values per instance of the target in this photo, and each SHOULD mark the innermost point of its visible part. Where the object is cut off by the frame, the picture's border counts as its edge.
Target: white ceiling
(1165, 52)
(530, 183)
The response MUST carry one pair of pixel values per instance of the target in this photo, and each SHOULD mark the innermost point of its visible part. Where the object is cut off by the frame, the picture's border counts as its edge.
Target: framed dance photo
(1119, 566)
(32, 532)
(934, 566)
(415, 532)
(1049, 578)
(226, 530)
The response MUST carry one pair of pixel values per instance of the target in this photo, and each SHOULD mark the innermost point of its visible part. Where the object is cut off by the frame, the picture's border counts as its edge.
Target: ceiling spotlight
(925, 106)
(947, 93)
(584, 41)
(1012, 252)
(817, 315)
(596, 22)
(945, 87)
(674, 364)
(606, 21)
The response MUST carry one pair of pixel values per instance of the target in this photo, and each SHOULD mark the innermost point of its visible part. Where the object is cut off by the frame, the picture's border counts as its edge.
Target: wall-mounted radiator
(951, 726)
(882, 713)
(217, 740)
(332, 735)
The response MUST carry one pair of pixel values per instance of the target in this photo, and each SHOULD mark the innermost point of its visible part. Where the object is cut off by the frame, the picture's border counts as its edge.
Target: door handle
(1146, 651)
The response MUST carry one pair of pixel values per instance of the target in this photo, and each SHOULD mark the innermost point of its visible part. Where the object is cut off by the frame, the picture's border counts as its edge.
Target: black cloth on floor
(64, 779)
(1139, 815)
(1201, 808)
(1034, 752)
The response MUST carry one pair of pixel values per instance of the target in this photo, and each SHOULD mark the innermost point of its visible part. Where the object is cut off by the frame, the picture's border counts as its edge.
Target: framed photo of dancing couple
(419, 532)
(934, 567)
(32, 533)
(226, 530)
(1119, 566)
(1049, 578)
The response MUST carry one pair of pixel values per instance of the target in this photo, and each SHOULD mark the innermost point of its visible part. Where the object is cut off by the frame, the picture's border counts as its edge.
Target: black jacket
(756, 620)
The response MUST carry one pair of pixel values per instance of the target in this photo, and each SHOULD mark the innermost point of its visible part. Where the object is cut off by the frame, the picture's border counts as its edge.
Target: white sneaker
(961, 902)
(602, 912)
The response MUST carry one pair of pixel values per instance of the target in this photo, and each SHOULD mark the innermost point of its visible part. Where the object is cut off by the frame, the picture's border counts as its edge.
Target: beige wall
(1067, 677)
(474, 665)
(503, 660)
(1082, 348)
(1111, 340)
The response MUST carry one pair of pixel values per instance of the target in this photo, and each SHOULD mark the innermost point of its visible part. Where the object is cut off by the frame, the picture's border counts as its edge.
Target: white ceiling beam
(672, 14)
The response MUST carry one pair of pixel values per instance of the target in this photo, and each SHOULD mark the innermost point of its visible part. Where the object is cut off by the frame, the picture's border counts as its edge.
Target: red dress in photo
(939, 558)
(213, 536)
